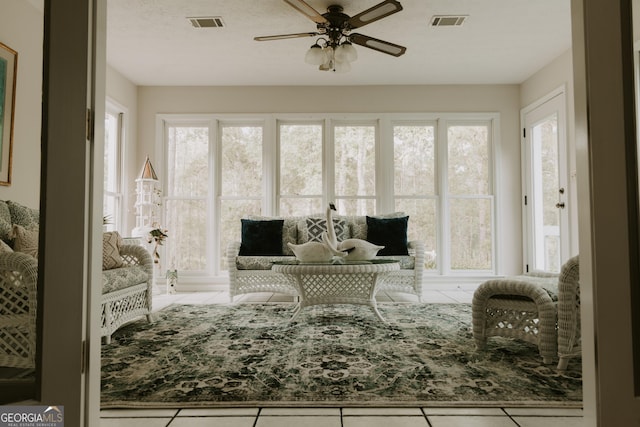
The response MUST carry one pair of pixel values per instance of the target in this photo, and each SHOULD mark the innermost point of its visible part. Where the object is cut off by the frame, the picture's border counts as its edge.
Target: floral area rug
(332, 355)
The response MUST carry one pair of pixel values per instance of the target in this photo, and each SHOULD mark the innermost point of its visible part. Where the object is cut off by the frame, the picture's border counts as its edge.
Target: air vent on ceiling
(207, 22)
(448, 20)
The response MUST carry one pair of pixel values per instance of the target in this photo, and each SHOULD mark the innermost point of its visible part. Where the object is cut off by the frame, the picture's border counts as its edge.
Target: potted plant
(157, 236)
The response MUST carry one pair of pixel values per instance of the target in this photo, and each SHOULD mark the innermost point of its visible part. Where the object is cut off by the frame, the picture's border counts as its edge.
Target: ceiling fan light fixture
(315, 55)
(342, 66)
(346, 52)
(327, 66)
(329, 59)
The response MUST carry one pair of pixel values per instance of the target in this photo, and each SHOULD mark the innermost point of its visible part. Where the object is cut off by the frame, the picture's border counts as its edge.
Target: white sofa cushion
(259, 262)
(123, 277)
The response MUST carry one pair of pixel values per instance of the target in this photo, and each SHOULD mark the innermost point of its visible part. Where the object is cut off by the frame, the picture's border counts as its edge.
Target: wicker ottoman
(523, 307)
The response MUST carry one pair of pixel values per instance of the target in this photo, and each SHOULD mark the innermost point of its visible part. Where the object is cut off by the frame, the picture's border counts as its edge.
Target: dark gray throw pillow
(261, 237)
(317, 226)
(390, 233)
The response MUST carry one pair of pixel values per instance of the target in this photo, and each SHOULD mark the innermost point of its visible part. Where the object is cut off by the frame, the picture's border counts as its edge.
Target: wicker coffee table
(352, 282)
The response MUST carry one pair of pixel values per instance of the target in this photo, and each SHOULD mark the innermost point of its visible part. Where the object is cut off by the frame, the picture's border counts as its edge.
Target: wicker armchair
(18, 280)
(542, 309)
(127, 291)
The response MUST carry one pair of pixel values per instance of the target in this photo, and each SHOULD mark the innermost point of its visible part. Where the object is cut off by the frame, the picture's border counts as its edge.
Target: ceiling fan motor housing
(336, 17)
(337, 26)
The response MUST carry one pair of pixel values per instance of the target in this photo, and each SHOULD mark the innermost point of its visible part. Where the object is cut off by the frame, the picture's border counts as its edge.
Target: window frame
(331, 178)
(117, 217)
(163, 122)
(384, 169)
(492, 135)
(437, 191)
(323, 158)
(268, 179)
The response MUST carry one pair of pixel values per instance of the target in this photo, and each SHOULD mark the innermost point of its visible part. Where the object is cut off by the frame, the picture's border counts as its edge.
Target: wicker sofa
(126, 289)
(252, 273)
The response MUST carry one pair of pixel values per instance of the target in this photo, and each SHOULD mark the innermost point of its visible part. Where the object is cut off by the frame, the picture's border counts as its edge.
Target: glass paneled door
(545, 168)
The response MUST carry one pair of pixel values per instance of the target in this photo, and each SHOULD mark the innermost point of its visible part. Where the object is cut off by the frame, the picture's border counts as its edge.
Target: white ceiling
(502, 42)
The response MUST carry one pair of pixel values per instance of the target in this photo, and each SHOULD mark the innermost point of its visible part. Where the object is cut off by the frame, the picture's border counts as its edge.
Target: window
(241, 174)
(470, 200)
(355, 168)
(301, 178)
(186, 206)
(112, 199)
(438, 169)
(414, 178)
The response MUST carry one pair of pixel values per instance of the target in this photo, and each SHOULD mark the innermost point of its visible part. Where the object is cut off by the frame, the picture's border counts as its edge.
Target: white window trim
(444, 123)
(384, 169)
(325, 162)
(182, 120)
(119, 217)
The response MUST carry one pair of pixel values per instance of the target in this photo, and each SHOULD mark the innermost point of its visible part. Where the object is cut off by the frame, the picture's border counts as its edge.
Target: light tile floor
(337, 417)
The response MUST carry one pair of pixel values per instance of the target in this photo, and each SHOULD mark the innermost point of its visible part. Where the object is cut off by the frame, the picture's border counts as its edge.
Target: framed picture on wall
(8, 71)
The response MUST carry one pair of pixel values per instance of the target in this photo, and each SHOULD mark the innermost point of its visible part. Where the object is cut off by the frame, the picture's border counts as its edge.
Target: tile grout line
(175, 415)
(255, 422)
(509, 416)
(426, 417)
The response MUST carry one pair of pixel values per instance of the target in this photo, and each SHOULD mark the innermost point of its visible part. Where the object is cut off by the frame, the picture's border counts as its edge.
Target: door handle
(560, 205)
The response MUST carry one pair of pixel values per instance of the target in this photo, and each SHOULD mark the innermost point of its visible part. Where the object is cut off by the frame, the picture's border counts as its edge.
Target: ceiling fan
(334, 50)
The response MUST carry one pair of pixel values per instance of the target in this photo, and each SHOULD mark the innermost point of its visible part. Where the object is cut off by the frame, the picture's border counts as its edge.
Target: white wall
(504, 99)
(551, 76)
(21, 28)
(124, 93)
(557, 73)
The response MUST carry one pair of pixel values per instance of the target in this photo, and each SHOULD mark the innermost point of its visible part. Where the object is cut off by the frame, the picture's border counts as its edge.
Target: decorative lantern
(148, 200)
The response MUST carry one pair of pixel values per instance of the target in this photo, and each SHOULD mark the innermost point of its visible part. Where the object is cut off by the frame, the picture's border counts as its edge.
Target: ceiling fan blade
(378, 11)
(285, 36)
(376, 44)
(302, 7)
